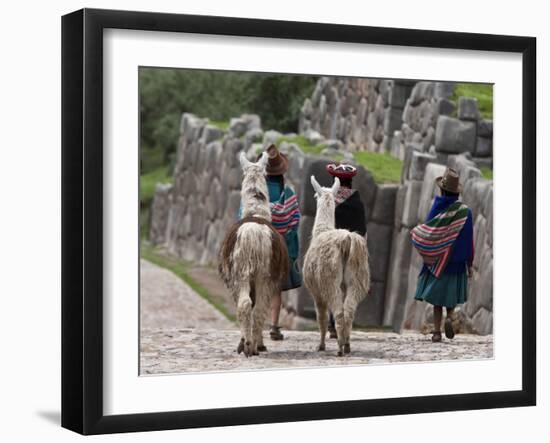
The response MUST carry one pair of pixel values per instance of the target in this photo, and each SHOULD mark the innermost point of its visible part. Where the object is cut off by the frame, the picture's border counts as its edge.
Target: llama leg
(338, 311)
(350, 306)
(244, 313)
(322, 320)
(259, 314)
(339, 319)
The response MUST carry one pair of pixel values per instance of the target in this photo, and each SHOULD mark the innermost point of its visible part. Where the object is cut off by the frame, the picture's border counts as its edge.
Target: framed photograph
(269, 221)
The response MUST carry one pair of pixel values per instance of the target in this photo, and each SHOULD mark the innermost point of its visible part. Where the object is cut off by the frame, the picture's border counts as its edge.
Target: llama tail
(252, 252)
(356, 270)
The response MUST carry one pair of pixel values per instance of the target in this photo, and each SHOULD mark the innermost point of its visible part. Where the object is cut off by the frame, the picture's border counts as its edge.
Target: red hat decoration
(341, 171)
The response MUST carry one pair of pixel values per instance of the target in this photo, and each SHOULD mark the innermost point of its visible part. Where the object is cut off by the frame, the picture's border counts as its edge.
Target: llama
(253, 258)
(336, 269)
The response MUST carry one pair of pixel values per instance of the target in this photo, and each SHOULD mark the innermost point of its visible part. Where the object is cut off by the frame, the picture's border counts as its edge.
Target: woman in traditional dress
(446, 245)
(285, 218)
(349, 213)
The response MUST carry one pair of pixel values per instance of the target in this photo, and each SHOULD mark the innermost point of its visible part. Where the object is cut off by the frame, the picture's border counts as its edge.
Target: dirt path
(169, 303)
(210, 280)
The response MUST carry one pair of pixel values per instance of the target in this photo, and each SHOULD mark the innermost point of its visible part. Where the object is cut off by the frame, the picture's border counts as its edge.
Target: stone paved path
(188, 350)
(181, 332)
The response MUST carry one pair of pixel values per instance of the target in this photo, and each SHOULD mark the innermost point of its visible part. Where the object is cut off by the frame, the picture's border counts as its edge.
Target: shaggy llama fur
(336, 269)
(253, 258)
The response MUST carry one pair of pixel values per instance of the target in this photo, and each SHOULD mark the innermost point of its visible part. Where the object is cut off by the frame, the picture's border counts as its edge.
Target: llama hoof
(321, 347)
(262, 348)
(240, 346)
(247, 349)
(340, 354)
(347, 348)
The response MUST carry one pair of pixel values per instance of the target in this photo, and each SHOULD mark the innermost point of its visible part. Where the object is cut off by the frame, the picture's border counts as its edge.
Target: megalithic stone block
(379, 239)
(455, 136)
(419, 161)
(467, 108)
(485, 128)
(397, 280)
(384, 204)
(484, 147)
(370, 311)
(398, 95)
(411, 202)
(429, 189)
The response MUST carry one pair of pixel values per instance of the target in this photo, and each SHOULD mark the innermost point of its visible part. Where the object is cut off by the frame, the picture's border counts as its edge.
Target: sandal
(449, 332)
(436, 336)
(275, 333)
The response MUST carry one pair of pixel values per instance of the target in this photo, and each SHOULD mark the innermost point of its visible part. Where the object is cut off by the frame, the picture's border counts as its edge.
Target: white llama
(253, 258)
(336, 269)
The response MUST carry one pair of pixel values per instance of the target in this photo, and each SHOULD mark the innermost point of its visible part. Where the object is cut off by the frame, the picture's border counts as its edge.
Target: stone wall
(392, 116)
(205, 196)
(433, 124)
(361, 113)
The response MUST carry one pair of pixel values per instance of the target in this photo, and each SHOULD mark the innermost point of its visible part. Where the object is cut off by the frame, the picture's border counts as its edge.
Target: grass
(224, 126)
(384, 167)
(148, 183)
(144, 222)
(151, 158)
(179, 268)
(483, 93)
(487, 172)
(303, 144)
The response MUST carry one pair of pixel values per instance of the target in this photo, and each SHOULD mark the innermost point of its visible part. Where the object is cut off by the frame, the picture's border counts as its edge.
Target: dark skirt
(294, 279)
(449, 290)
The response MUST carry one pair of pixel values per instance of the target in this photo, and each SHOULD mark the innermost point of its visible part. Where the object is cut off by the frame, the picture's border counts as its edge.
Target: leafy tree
(219, 95)
(279, 98)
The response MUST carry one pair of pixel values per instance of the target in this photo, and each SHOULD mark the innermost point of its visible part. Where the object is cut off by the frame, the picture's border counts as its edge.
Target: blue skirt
(449, 290)
(294, 279)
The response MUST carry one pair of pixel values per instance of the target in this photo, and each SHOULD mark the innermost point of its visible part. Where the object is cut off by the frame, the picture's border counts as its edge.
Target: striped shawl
(285, 213)
(434, 240)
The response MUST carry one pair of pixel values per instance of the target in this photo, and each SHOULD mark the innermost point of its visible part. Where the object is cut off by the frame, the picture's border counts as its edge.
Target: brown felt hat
(277, 163)
(449, 181)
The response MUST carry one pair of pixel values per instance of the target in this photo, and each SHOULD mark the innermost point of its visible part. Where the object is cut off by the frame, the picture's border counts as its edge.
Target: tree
(164, 94)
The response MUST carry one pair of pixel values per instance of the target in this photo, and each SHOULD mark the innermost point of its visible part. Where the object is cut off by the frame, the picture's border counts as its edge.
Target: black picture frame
(82, 219)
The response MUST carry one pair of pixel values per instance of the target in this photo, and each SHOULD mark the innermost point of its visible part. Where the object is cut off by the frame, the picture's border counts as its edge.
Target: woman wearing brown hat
(349, 213)
(285, 218)
(445, 242)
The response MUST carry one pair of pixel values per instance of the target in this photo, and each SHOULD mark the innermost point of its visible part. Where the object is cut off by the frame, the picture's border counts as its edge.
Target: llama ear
(335, 186)
(316, 186)
(263, 160)
(244, 161)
